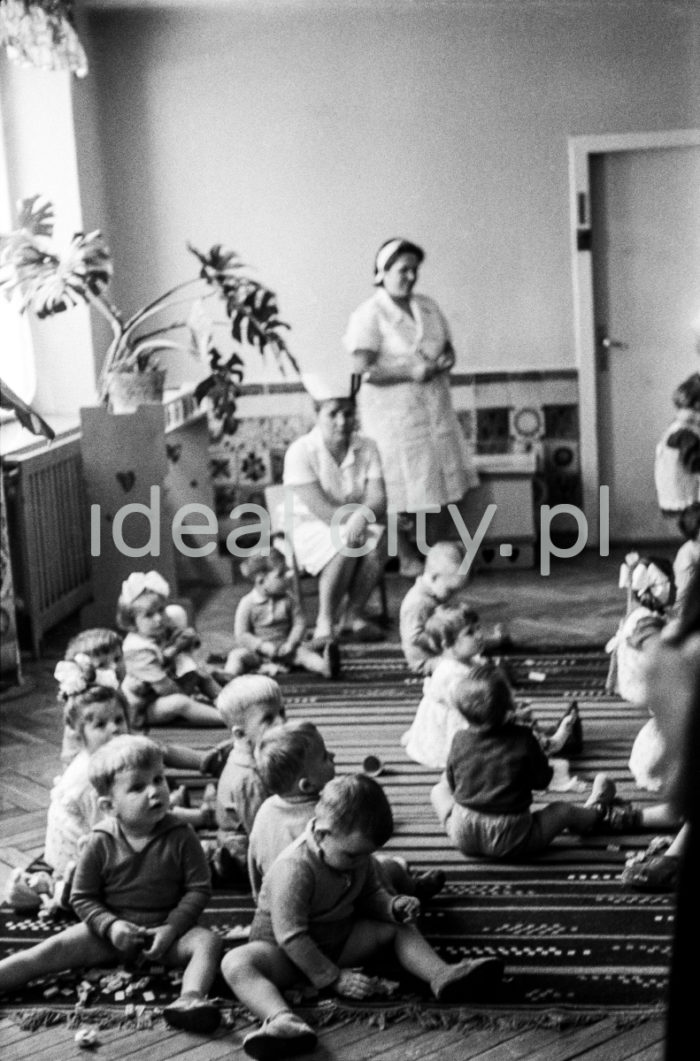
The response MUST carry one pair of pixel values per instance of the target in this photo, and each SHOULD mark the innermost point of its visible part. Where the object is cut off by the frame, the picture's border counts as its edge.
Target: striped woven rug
(572, 938)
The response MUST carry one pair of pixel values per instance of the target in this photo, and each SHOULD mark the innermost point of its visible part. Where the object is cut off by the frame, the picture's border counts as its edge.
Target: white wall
(304, 135)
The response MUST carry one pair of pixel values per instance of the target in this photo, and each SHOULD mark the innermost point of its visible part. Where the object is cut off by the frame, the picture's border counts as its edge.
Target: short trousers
(494, 835)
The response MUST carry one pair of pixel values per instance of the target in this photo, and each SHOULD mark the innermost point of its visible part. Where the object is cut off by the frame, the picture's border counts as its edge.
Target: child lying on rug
(269, 626)
(454, 631)
(249, 706)
(294, 765)
(160, 671)
(323, 911)
(484, 797)
(140, 886)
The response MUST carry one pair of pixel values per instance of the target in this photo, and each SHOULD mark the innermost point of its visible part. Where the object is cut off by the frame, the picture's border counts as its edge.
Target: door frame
(581, 148)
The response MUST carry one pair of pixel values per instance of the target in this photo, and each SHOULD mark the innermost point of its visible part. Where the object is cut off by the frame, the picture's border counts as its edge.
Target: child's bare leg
(660, 816)
(74, 948)
(178, 707)
(257, 973)
(677, 848)
(442, 799)
(199, 951)
(556, 817)
(241, 661)
(311, 661)
(180, 757)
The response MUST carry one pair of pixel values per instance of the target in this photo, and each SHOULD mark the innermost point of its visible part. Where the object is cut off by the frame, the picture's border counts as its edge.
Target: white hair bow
(627, 567)
(140, 582)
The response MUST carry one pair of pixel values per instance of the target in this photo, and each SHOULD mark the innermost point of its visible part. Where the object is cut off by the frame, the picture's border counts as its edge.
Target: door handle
(613, 344)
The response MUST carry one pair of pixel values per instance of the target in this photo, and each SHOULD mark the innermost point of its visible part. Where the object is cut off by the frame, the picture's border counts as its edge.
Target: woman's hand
(355, 530)
(423, 371)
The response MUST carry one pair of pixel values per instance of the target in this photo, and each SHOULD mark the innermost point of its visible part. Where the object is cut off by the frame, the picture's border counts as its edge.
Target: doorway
(636, 263)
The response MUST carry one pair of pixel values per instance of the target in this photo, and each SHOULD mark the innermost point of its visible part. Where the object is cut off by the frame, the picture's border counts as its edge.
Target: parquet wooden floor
(577, 605)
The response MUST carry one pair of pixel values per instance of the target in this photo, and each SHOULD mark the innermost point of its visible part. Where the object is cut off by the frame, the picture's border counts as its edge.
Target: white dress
(424, 453)
(308, 461)
(436, 721)
(72, 813)
(630, 646)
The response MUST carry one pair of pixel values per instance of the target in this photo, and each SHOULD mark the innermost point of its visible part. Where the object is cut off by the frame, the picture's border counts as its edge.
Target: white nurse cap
(328, 385)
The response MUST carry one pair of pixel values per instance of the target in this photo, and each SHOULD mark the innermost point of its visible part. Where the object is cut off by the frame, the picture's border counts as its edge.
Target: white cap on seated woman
(331, 385)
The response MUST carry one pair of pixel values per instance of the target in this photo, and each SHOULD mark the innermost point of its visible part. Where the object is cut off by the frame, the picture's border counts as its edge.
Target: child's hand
(286, 649)
(405, 908)
(354, 984)
(126, 936)
(162, 939)
(267, 649)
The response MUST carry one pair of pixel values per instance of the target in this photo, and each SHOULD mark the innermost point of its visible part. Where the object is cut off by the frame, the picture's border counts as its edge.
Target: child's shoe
(180, 797)
(567, 738)
(283, 1035)
(214, 761)
(651, 871)
(467, 979)
(192, 1013)
(331, 660)
(603, 792)
(208, 808)
(428, 884)
(621, 816)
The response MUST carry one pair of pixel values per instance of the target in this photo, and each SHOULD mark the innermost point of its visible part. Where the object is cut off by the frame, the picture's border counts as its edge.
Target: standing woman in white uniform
(401, 346)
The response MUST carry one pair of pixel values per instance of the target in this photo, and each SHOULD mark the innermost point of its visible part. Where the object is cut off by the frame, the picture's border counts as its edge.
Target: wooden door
(645, 216)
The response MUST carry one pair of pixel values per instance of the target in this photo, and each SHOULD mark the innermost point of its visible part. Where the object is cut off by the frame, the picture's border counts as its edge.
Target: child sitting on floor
(249, 706)
(101, 649)
(687, 559)
(269, 626)
(150, 659)
(444, 574)
(454, 633)
(323, 911)
(96, 714)
(677, 458)
(294, 765)
(484, 797)
(140, 887)
(652, 594)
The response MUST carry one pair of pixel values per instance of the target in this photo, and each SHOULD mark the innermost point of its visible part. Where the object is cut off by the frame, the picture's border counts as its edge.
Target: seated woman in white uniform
(328, 468)
(401, 344)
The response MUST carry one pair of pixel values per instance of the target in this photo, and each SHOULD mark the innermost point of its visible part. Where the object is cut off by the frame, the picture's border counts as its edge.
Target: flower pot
(128, 390)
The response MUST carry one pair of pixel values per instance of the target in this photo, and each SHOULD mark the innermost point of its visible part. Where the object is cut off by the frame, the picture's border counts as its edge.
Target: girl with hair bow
(162, 679)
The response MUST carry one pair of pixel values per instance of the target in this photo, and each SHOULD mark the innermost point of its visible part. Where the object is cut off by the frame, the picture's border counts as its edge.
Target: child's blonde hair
(125, 752)
(442, 555)
(446, 623)
(484, 696)
(283, 753)
(356, 803)
(95, 641)
(236, 699)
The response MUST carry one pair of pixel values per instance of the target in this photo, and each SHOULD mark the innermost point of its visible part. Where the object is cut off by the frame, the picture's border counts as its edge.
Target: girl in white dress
(652, 594)
(455, 632)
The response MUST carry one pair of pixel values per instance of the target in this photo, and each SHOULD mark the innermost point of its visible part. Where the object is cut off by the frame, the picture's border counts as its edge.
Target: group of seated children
(309, 842)
(325, 905)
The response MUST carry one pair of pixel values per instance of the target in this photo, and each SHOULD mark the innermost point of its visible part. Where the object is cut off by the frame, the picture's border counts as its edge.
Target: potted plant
(47, 282)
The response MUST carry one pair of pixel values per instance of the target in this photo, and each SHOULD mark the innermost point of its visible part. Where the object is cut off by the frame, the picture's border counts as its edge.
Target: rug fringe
(32, 1020)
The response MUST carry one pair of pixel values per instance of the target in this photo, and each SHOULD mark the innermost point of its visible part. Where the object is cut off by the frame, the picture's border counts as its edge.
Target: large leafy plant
(41, 279)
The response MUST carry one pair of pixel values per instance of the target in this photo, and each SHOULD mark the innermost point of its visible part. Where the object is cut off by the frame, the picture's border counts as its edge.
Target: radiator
(49, 533)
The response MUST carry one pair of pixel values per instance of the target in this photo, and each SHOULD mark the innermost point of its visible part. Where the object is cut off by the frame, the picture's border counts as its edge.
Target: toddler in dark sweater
(484, 797)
